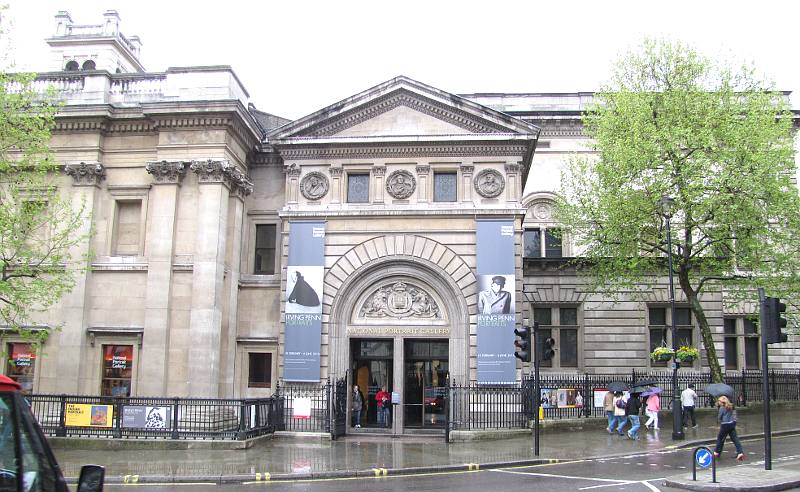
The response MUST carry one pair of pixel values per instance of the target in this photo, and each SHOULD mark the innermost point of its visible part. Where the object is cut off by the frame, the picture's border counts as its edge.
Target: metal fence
(156, 418)
(570, 395)
(298, 398)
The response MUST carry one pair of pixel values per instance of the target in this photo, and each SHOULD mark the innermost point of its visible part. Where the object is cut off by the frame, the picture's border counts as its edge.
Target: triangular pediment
(402, 107)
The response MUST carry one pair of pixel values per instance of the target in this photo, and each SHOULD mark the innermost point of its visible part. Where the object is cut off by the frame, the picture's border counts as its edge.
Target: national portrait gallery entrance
(417, 374)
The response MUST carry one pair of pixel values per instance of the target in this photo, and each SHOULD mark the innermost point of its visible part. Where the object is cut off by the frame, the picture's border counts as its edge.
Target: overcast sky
(296, 56)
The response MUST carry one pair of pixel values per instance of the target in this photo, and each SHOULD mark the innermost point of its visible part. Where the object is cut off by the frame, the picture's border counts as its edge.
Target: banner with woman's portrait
(303, 301)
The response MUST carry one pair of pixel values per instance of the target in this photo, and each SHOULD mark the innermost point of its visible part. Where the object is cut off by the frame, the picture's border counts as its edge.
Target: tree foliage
(39, 227)
(719, 142)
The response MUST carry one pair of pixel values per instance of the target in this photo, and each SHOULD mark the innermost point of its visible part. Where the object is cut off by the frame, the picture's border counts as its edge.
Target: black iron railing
(156, 418)
(570, 395)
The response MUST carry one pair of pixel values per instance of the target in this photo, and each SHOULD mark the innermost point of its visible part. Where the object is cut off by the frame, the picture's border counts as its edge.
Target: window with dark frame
(532, 243)
(445, 187)
(259, 370)
(660, 329)
(358, 188)
(560, 323)
(731, 344)
(742, 344)
(266, 238)
(552, 243)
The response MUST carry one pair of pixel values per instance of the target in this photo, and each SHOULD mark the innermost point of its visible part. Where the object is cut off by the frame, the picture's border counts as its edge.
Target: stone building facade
(192, 194)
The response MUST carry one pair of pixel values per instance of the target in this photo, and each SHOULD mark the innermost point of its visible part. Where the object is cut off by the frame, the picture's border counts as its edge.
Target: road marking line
(649, 485)
(550, 475)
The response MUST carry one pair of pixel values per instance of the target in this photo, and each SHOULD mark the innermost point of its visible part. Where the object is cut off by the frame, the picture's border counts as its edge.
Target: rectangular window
(752, 345)
(660, 328)
(560, 323)
(731, 344)
(127, 226)
(21, 364)
(552, 243)
(532, 242)
(445, 187)
(117, 370)
(358, 188)
(569, 347)
(259, 373)
(265, 249)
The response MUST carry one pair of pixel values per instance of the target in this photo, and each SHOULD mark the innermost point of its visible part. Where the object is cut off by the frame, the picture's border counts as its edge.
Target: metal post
(765, 381)
(537, 393)
(677, 417)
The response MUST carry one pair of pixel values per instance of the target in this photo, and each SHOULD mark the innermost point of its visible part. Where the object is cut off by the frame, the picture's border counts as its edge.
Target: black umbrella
(646, 382)
(719, 389)
(618, 386)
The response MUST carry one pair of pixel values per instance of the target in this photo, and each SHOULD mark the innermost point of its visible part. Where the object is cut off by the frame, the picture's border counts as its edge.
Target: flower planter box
(686, 360)
(663, 357)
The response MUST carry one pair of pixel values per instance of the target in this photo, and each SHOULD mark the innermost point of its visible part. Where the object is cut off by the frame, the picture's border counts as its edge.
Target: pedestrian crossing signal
(774, 323)
(548, 348)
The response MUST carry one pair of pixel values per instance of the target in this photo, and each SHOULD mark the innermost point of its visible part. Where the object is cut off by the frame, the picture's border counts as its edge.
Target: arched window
(88, 65)
(72, 66)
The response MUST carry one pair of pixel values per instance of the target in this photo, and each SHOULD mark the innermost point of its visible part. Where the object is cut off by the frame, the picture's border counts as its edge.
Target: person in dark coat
(303, 293)
(632, 409)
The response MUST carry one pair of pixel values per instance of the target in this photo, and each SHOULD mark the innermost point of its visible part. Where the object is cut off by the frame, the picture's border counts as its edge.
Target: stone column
(160, 248)
(513, 190)
(70, 346)
(205, 318)
(378, 172)
(241, 186)
(423, 171)
(398, 370)
(466, 182)
(336, 184)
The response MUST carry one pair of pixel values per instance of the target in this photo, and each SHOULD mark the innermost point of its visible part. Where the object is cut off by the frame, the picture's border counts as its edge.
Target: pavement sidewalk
(302, 458)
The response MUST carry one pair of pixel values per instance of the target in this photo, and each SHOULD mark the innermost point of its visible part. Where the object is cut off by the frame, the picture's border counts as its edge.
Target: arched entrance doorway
(402, 323)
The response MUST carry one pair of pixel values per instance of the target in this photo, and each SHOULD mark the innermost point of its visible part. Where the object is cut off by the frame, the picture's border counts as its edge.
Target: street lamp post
(667, 203)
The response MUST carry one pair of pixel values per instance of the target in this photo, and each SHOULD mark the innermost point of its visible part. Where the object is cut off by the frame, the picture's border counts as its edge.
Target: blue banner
(303, 308)
(496, 302)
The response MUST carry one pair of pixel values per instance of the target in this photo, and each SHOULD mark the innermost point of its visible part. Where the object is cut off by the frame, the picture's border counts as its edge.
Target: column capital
(423, 169)
(85, 173)
(164, 171)
(222, 171)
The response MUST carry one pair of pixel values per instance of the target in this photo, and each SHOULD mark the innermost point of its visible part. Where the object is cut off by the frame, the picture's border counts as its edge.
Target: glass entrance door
(372, 370)
(425, 384)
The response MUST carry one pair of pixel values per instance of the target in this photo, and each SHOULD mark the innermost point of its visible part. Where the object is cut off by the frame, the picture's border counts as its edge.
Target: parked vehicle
(27, 463)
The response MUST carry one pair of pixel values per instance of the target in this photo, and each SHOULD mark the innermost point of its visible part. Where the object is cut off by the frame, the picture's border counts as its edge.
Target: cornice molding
(85, 173)
(403, 97)
(168, 172)
(404, 151)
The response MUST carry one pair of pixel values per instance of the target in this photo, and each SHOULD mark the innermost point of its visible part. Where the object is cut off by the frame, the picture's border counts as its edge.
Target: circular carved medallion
(314, 186)
(542, 211)
(401, 184)
(489, 183)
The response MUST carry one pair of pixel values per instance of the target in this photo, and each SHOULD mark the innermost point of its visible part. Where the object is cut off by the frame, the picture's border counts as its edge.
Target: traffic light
(548, 348)
(774, 323)
(523, 342)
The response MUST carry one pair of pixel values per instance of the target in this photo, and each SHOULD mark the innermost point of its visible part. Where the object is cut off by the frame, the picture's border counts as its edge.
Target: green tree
(39, 227)
(717, 140)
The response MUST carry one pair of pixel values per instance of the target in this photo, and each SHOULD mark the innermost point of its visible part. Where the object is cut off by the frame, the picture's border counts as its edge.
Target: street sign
(703, 458)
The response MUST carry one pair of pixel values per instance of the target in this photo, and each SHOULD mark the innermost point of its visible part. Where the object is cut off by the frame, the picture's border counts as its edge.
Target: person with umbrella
(653, 406)
(632, 409)
(727, 427)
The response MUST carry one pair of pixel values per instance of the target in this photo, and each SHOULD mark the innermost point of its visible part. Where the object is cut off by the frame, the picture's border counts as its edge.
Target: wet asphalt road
(633, 472)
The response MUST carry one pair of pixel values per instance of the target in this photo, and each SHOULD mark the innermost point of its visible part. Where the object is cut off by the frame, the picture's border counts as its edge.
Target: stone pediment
(398, 108)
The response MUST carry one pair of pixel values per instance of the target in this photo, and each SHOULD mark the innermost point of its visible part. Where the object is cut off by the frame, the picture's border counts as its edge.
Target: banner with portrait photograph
(303, 302)
(496, 302)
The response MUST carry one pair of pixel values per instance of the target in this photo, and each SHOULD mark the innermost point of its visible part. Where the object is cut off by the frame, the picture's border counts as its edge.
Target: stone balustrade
(176, 84)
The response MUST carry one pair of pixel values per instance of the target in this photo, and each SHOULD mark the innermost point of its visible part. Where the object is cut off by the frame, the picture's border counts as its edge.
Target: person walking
(608, 406)
(382, 400)
(632, 409)
(727, 427)
(358, 404)
(619, 413)
(688, 399)
(653, 406)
